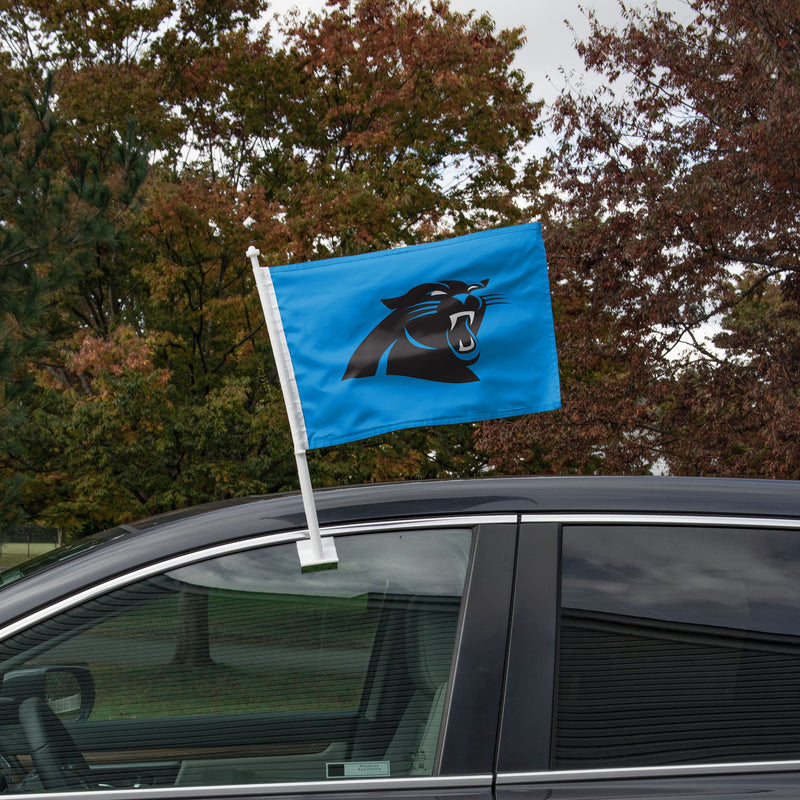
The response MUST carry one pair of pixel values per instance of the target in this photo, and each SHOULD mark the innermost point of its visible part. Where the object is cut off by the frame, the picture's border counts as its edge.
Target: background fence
(21, 542)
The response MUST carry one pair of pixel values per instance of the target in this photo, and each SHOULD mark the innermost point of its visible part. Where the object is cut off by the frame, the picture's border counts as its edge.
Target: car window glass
(60, 554)
(244, 669)
(678, 645)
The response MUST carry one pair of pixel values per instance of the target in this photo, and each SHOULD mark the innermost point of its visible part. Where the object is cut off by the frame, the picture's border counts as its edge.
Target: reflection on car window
(678, 645)
(243, 669)
(56, 556)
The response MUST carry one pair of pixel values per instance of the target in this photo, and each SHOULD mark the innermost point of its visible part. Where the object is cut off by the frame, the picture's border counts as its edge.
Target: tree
(193, 642)
(681, 200)
(385, 122)
(374, 124)
(746, 402)
(55, 231)
(22, 290)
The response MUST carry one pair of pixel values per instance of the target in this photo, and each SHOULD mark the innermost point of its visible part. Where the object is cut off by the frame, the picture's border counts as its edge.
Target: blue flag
(451, 331)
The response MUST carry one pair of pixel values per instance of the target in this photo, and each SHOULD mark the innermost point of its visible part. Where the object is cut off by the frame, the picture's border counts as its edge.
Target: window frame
(465, 755)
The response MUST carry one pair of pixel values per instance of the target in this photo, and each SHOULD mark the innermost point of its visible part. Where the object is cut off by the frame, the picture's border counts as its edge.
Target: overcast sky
(549, 44)
(549, 41)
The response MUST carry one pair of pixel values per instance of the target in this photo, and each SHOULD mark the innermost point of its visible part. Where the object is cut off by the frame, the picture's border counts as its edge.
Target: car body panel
(500, 710)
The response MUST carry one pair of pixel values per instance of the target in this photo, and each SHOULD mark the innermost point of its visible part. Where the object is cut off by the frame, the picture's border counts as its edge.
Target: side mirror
(68, 690)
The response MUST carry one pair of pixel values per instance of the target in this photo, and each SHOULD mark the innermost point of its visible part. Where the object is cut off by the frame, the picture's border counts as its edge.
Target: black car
(516, 639)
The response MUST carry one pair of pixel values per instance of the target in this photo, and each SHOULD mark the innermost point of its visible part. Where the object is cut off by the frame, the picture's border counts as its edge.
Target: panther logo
(431, 333)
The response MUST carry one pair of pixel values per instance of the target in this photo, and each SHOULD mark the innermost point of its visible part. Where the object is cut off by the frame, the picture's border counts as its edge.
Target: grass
(254, 629)
(12, 554)
(266, 619)
(168, 690)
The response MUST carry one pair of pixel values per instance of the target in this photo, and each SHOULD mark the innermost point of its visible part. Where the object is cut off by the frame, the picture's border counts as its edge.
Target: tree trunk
(193, 648)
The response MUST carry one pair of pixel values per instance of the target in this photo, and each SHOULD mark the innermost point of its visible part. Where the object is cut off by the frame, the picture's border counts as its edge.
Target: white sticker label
(358, 769)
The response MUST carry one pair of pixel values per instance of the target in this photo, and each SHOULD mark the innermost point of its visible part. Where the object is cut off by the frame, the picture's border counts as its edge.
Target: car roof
(157, 538)
(524, 494)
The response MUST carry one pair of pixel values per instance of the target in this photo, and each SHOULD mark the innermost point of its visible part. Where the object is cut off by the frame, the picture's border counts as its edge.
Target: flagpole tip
(253, 252)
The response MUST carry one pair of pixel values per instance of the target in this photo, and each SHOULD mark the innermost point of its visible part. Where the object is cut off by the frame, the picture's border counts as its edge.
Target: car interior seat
(429, 639)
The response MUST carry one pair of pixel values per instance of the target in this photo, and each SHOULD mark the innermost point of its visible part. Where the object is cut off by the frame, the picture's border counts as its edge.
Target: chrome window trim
(671, 771)
(661, 518)
(262, 540)
(261, 789)
(464, 521)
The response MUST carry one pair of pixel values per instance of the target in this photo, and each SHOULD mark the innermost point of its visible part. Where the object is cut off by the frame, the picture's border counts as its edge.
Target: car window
(244, 669)
(678, 645)
(52, 557)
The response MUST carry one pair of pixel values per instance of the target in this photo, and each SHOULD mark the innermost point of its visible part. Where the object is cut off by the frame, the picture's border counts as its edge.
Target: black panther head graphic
(431, 333)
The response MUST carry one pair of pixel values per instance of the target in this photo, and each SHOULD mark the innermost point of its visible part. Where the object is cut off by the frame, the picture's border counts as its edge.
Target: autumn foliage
(674, 250)
(145, 145)
(157, 141)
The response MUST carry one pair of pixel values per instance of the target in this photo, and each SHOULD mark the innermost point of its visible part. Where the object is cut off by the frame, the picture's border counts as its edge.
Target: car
(508, 638)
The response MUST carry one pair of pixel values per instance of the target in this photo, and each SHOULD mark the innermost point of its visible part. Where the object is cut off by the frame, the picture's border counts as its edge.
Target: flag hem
(319, 441)
(397, 251)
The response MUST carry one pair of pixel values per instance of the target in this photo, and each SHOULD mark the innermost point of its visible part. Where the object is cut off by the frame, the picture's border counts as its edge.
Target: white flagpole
(315, 553)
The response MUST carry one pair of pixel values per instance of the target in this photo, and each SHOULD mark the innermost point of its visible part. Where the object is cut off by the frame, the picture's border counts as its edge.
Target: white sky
(549, 44)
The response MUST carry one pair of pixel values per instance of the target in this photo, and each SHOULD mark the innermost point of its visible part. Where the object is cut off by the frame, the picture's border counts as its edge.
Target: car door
(653, 656)
(232, 667)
